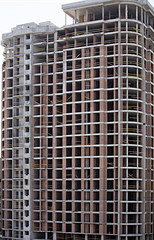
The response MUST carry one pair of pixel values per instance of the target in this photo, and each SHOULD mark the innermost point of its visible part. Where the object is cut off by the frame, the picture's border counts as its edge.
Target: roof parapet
(91, 3)
(30, 28)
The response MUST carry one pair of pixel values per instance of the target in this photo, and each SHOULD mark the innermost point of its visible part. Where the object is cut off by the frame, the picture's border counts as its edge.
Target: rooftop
(93, 3)
(30, 28)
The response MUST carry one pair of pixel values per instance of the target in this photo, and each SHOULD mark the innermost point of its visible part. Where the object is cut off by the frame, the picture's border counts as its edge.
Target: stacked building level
(78, 125)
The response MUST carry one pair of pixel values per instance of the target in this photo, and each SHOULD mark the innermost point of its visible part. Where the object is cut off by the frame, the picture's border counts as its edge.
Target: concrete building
(78, 125)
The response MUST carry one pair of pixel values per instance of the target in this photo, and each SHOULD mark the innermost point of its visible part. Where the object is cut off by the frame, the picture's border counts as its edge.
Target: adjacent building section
(78, 125)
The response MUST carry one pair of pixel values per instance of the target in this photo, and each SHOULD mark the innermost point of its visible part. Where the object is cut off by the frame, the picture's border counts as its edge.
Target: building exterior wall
(77, 125)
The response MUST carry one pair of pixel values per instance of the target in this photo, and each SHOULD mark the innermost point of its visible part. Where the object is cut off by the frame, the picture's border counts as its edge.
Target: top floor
(27, 28)
(83, 13)
(96, 10)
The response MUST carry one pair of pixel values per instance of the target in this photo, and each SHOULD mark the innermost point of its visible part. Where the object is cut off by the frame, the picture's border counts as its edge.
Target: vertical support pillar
(46, 235)
(86, 237)
(144, 127)
(119, 123)
(102, 237)
(75, 17)
(126, 13)
(136, 12)
(65, 19)
(55, 44)
(54, 236)
(86, 15)
(145, 18)
(102, 12)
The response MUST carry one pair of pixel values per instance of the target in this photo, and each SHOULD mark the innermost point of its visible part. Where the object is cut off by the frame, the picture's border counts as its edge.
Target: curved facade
(78, 125)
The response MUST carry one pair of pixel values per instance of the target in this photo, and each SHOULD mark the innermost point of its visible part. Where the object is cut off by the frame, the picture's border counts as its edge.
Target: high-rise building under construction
(78, 125)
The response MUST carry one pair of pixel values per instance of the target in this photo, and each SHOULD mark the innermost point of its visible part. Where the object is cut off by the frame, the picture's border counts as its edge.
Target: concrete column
(126, 13)
(102, 12)
(86, 237)
(65, 19)
(102, 237)
(86, 15)
(145, 17)
(144, 130)
(54, 236)
(119, 125)
(55, 44)
(75, 17)
(136, 13)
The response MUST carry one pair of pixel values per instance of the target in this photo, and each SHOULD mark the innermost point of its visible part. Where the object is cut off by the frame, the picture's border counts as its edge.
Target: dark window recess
(110, 151)
(97, 73)
(68, 163)
(78, 107)
(110, 139)
(110, 95)
(27, 46)
(68, 141)
(110, 196)
(27, 36)
(69, 206)
(69, 130)
(68, 195)
(69, 108)
(110, 117)
(69, 152)
(78, 86)
(69, 185)
(69, 86)
(96, 95)
(96, 128)
(109, 184)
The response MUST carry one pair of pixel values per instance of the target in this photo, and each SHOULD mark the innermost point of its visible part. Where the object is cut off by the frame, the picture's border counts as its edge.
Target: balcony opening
(131, 11)
(111, 12)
